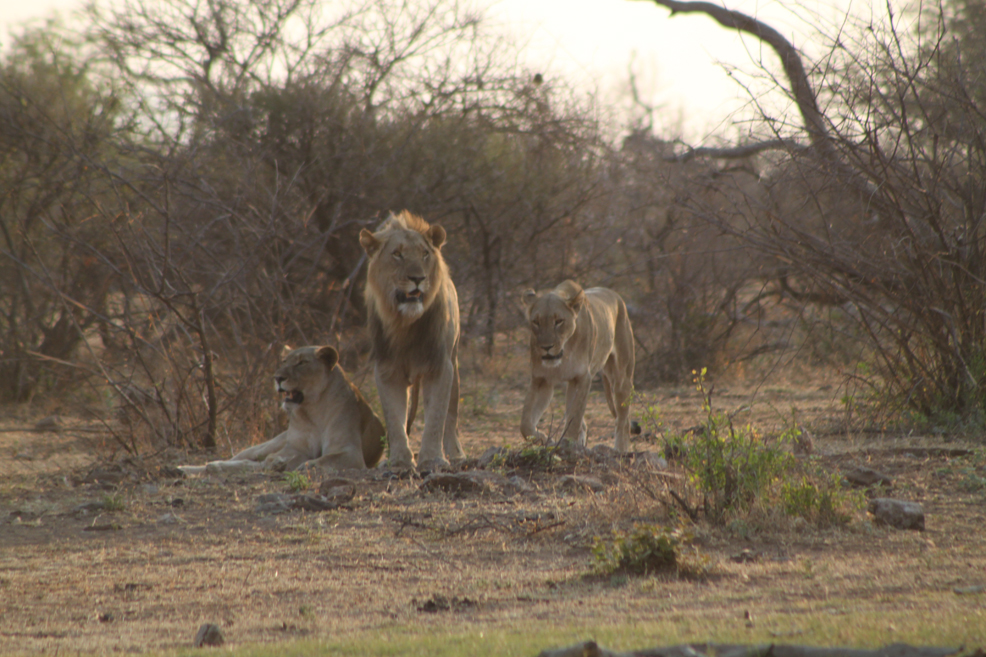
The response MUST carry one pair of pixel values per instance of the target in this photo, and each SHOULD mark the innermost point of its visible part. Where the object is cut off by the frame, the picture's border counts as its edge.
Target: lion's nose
(278, 379)
(416, 279)
(547, 349)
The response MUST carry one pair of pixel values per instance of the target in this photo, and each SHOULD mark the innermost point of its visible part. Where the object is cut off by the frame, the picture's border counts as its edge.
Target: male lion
(330, 425)
(576, 333)
(413, 314)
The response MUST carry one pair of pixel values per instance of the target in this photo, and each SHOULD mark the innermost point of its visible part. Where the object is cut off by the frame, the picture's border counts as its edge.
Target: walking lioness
(576, 333)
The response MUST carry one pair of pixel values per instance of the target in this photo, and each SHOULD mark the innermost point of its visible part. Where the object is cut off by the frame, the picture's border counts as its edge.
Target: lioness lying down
(576, 333)
(330, 425)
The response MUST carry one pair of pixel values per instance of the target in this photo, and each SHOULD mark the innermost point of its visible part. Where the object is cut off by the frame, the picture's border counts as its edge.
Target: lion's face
(552, 319)
(303, 374)
(404, 266)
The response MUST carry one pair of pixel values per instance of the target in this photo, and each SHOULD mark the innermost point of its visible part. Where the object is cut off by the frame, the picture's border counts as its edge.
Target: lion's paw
(433, 465)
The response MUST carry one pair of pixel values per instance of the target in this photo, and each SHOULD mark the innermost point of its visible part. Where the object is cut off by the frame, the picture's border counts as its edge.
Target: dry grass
(358, 579)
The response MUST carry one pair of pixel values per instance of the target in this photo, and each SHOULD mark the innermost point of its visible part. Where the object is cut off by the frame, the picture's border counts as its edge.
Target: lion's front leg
(576, 398)
(437, 391)
(538, 398)
(393, 398)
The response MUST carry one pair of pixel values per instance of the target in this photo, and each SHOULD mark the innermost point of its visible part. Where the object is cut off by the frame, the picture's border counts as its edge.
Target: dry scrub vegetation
(183, 186)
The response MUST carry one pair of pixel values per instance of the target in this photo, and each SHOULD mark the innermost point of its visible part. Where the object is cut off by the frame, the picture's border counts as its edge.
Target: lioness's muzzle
(293, 396)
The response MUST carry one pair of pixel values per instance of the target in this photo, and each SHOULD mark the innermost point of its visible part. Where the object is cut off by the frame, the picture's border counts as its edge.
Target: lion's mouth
(293, 396)
(552, 357)
(414, 296)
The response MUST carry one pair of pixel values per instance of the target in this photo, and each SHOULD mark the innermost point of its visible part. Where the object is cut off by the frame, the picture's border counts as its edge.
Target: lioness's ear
(573, 295)
(529, 297)
(576, 302)
(368, 241)
(285, 350)
(327, 355)
(436, 235)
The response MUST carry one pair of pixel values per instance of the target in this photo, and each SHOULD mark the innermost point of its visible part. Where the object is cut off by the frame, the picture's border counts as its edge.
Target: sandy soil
(165, 554)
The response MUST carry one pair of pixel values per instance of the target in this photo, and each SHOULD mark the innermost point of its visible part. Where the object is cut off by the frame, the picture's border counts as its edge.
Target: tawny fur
(413, 318)
(576, 334)
(332, 428)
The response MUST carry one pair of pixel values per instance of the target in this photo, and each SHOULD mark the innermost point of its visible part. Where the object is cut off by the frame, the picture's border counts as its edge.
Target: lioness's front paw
(399, 464)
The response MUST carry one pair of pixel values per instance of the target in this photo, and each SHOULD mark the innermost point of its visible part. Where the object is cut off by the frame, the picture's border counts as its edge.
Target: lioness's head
(303, 374)
(405, 264)
(552, 318)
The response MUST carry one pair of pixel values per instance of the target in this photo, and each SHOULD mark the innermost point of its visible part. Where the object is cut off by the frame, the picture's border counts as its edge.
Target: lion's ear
(436, 235)
(285, 350)
(328, 355)
(369, 241)
(529, 297)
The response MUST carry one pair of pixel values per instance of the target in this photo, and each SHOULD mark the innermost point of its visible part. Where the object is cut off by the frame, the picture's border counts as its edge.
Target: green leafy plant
(533, 455)
(820, 499)
(297, 481)
(113, 503)
(649, 549)
(731, 468)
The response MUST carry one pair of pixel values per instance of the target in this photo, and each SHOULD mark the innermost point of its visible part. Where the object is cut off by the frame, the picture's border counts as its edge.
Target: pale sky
(592, 42)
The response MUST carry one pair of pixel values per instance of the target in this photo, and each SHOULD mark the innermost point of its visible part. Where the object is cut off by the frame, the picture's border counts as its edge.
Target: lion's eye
(535, 323)
(427, 255)
(398, 255)
(558, 323)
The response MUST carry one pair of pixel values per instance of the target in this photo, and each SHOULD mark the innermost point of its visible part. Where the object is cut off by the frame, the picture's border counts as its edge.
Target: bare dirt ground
(102, 555)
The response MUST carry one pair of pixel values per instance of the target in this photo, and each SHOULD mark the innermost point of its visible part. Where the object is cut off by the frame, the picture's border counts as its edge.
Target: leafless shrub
(882, 215)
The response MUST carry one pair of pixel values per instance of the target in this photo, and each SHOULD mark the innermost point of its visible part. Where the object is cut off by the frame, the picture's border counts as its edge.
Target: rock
(313, 503)
(604, 452)
(51, 423)
(89, 509)
(274, 503)
(487, 458)
(897, 513)
(519, 485)
(581, 482)
(438, 603)
(969, 590)
(650, 460)
(866, 477)
(470, 481)
(208, 635)
(338, 490)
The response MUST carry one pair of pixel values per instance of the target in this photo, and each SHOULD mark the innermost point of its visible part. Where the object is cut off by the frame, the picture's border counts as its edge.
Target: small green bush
(296, 481)
(825, 503)
(648, 549)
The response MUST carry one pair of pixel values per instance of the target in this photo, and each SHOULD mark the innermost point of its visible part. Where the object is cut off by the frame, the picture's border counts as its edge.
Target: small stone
(519, 485)
(470, 481)
(486, 458)
(89, 509)
(969, 590)
(208, 635)
(50, 423)
(581, 482)
(650, 460)
(866, 477)
(338, 490)
(274, 503)
(897, 513)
